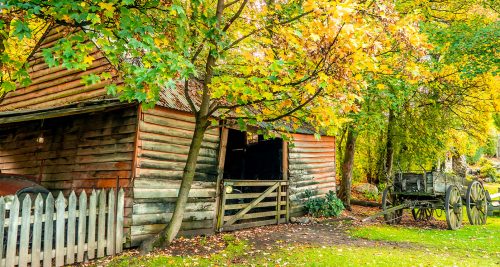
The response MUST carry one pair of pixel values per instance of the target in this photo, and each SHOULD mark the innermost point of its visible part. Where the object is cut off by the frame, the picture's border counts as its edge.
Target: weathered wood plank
(158, 129)
(163, 218)
(174, 157)
(25, 232)
(171, 175)
(110, 235)
(177, 115)
(101, 227)
(91, 241)
(314, 167)
(176, 149)
(242, 205)
(251, 224)
(255, 215)
(175, 124)
(119, 220)
(60, 221)
(10, 255)
(48, 231)
(170, 192)
(170, 184)
(175, 166)
(145, 229)
(162, 138)
(248, 195)
(82, 226)
(159, 207)
(70, 231)
(250, 183)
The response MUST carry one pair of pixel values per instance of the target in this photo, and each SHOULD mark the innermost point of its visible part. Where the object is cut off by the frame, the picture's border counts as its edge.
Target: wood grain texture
(162, 149)
(311, 166)
(58, 86)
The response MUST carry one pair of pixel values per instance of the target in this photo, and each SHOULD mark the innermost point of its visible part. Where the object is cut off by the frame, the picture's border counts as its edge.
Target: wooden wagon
(425, 192)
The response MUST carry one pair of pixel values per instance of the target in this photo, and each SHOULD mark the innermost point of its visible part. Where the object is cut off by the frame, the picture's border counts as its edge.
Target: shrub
(487, 170)
(370, 195)
(327, 206)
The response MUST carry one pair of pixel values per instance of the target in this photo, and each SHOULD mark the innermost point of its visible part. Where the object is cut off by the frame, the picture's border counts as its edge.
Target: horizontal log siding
(163, 145)
(311, 166)
(57, 86)
(79, 152)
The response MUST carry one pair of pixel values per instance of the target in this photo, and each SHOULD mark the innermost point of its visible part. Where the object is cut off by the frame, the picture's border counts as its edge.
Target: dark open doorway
(250, 157)
(254, 185)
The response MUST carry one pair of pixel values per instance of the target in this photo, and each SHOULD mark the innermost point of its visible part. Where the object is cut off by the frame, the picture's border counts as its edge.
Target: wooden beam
(219, 211)
(11, 117)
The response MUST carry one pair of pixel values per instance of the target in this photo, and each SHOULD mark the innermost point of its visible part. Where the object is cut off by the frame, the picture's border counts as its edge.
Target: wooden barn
(68, 136)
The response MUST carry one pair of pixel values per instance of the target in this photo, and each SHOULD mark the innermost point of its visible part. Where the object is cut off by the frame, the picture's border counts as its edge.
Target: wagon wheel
(476, 203)
(453, 207)
(422, 214)
(390, 200)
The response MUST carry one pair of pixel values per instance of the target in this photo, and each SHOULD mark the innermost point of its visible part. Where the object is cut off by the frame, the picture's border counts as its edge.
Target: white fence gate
(65, 231)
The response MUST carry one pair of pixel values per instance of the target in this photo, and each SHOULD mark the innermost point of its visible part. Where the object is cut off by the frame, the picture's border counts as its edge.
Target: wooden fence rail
(54, 232)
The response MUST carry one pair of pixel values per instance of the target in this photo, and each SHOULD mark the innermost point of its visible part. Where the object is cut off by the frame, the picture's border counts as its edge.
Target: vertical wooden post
(220, 218)
(286, 178)
(110, 239)
(25, 232)
(120, 204)
(82, 225)
(10, 256)
(70, 231)
(48, 234)
(37, 232)
(60, 209)
(220, 173)
(101, 224)
(278, 203)
(284, 158)
(91, 243)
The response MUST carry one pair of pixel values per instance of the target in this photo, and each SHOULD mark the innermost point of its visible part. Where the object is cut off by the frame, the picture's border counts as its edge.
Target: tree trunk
(202, 116)
(347, 168)
(170, 232)
(389, 159)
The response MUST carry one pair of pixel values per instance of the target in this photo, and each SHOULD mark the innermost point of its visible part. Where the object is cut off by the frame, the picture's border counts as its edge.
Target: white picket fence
(65, 231)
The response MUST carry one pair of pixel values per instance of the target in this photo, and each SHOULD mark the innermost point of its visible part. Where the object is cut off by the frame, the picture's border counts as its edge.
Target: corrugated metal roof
(45, 95)
(175, 98)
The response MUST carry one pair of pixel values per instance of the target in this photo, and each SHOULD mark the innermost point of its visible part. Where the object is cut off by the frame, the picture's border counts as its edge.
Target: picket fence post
(47, 231)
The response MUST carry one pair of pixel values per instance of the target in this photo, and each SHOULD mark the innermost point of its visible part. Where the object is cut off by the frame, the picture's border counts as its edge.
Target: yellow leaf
(88, 60)
(107, 6)
(380, 86)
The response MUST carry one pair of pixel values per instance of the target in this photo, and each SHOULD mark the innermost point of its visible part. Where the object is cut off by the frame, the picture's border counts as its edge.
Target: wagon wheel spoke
(476, 203)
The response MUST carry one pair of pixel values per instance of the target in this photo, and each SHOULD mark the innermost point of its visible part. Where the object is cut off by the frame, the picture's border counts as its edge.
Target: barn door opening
(254, 188)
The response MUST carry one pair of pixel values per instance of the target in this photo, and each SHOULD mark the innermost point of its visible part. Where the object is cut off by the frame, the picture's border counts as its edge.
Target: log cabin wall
(79, 152)
(163, 144)
(311, 166)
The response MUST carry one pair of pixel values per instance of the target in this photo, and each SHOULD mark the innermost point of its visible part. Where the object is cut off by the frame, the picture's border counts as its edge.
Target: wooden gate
(251, 203)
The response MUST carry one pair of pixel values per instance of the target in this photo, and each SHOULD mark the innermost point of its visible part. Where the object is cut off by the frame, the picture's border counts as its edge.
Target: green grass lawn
(469, 246)
(481, 240)
(492, 187)
(373, 256)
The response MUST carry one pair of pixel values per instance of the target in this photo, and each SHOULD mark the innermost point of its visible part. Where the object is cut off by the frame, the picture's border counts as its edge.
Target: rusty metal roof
(175, 98)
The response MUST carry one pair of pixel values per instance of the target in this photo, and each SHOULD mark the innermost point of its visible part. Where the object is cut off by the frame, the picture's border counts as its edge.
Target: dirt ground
(321, 232)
